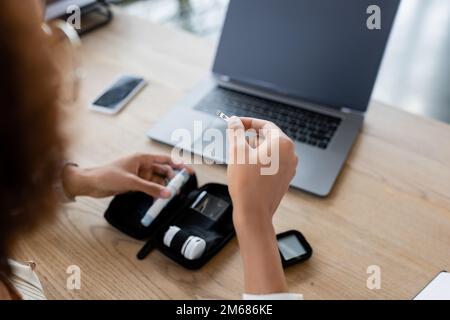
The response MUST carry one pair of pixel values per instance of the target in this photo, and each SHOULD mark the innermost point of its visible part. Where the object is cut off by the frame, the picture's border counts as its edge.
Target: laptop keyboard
(305, 126)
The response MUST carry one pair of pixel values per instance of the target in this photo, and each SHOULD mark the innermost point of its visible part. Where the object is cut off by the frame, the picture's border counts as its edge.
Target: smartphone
(117, 95)
(293, 248)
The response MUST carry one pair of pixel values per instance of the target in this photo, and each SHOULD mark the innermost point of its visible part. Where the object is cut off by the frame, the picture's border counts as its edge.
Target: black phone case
(126, 211)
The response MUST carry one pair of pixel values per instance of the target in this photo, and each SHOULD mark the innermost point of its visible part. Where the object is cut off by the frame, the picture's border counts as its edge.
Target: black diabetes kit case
(216, 227)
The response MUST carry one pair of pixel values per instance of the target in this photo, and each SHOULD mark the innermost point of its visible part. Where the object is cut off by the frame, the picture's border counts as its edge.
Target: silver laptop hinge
(223, 78)
(350, 111)
(346, 110)
(227, 82)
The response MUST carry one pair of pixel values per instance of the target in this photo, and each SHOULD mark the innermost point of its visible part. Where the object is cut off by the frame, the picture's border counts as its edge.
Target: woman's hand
(140, 172)
(256, 196)
(256, 193)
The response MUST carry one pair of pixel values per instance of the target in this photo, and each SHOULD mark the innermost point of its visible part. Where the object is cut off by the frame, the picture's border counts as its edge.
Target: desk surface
(390, 206)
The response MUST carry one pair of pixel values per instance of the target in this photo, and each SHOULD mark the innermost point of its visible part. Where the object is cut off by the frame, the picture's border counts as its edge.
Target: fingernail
(165, 193)
(234, 122)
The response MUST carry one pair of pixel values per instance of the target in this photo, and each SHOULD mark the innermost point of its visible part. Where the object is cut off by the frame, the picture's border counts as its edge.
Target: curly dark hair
(30, 140)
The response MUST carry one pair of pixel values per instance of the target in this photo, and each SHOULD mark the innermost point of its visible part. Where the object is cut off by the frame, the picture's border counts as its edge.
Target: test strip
(223, 116)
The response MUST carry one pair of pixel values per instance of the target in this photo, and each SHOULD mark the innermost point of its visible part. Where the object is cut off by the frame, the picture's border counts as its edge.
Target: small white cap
(193, 248)
(168, 236)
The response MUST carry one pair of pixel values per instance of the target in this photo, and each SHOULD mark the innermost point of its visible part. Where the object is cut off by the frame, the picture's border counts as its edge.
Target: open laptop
(307, 65)
(58, 8)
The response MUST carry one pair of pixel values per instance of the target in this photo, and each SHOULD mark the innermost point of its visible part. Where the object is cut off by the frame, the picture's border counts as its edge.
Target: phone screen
(118, 92)
(290, 247)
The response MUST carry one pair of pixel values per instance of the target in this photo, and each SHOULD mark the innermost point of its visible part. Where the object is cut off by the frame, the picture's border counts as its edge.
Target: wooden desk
(390, 206)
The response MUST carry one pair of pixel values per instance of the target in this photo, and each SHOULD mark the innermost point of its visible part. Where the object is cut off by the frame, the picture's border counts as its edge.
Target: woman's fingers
(150, 160)
(163, 159)
(151, 188)
(257, 124)
(163, 170)
(158, 179)
(239, 148)
(236, 132)
(263, 128)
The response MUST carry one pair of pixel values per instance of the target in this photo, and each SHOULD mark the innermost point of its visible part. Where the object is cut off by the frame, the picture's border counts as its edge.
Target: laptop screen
(58, 8)
(320, 51)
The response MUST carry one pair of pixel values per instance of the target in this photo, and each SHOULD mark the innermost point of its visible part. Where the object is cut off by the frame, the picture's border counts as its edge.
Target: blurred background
(415, 75)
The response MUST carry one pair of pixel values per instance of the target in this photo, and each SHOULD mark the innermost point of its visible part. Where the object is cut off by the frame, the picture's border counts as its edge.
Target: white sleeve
(273, 296)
